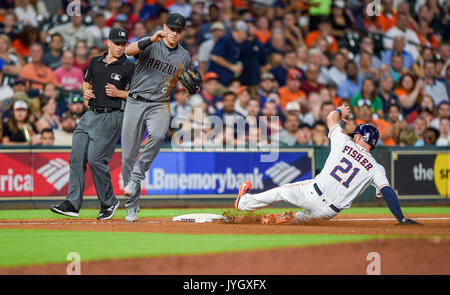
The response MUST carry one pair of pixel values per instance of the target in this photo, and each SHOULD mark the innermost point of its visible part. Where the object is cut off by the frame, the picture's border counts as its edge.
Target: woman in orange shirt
(409, 91)
(263, 32)
(26, 37)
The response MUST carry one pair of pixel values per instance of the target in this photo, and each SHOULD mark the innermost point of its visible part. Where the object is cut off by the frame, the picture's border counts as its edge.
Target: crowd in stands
(277, 66)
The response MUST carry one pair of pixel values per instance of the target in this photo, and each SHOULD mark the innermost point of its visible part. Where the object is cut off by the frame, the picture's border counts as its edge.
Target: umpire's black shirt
(99, 73)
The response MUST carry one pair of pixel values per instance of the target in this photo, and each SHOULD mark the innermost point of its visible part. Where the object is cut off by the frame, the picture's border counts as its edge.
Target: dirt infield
(427, 253)
(434, 225)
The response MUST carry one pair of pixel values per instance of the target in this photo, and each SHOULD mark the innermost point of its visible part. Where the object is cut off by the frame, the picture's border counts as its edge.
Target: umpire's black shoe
(65, 208)
(107, 212)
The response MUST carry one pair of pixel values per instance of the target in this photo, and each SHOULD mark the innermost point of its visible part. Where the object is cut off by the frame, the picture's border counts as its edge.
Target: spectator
(263, 33)
(368, 92)
(288, 62)
(419, 127)
(407, 137)
(287, 136)
(205, 49)
(319, 59)
(337, 70)
(364, 116)
(367, 45)
(268, 84)
(64, 135)
(365, 20)
(366, 70)
(181, 7)
(49, 119)
(292, 33)
(205, 31)
(12, 63)
(291, 91)
(311, 84)
(26, 15)
(388, 16)
(425, 33)
(81, 53)
(6, 95)
(243, 97)
(253, 57)
(409, 91)
(352, 84)
(401, 29)
(17, 130)
(435, 88)
(253, 108)
(36, 71)
(444, 131)
(26, 37)
(386, 92)
(304, 135)
(76, 107)
(310, 112)
(431, 136)
(443, 111)
(398, 48)
(324, 31)
(99, 31)
(52, 58)
(47, 137)
(325, 109)
(302, 58)
(319, 134)
(397, 121)
(225, 54)
(277, 42)
(8, 28)
(424, 103)
(208, 92)
(228, 115)
(340, 21)
(74, 31)
(270, 118)
(68, 76)
(179, 108)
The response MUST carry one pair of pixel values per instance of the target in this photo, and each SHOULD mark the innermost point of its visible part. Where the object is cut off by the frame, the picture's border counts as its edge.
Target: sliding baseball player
(348, 171)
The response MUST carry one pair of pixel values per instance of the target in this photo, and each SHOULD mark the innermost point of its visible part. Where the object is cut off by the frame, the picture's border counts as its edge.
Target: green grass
(34, 247)
(92, 213)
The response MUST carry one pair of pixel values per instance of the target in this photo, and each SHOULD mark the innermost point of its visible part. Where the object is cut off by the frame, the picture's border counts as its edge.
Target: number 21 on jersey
(344, 170)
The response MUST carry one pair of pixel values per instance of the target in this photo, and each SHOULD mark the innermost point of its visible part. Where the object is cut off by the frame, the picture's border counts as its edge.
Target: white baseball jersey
(348, 171)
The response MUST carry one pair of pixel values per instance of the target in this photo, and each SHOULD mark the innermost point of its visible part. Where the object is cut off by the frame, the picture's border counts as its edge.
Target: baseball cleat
(131, 189)
(65, 208)
(243, 189)
(131, 214)
(286, 217)
(107, 212)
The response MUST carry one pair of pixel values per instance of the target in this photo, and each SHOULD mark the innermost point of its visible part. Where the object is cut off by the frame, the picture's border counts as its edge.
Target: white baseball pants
(301, 194)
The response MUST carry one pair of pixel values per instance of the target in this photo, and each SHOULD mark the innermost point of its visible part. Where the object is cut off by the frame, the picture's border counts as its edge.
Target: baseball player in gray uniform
(160, 62)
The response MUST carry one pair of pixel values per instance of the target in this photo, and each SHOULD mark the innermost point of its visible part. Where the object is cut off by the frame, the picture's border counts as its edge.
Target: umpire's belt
(104, 110)
(140, 98)
(319, 192)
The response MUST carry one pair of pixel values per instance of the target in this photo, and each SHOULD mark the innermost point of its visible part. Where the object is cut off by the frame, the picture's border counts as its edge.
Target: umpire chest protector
(99, 73)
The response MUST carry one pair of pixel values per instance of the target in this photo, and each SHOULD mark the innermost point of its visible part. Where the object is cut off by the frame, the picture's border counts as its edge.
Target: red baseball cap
(294, 74)
(210, 75)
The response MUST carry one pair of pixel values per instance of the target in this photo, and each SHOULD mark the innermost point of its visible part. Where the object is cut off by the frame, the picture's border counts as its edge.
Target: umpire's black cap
(118, 35)
(176, 21)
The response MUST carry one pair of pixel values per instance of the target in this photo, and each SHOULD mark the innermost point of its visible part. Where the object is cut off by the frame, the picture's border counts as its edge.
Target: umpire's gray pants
(93, 142)
(154, 116)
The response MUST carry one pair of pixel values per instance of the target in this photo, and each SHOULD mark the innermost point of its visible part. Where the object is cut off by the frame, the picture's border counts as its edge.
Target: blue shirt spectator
(253, 57)
(408, 59)
(349, 88)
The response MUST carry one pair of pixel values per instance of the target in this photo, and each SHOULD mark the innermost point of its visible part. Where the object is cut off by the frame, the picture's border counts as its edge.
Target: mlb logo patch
(122, 34)
(115, 76)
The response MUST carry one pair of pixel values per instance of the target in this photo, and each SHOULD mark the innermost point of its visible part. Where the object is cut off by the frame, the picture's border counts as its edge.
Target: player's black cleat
(107, 212)
(65, 208)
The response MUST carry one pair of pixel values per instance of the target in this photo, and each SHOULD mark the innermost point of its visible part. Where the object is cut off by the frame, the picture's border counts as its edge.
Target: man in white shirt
(73, 31)
(401, 29)
(98, 31)
(337, 71)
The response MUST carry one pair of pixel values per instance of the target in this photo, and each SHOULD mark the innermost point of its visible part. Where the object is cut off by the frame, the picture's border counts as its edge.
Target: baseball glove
(191, 80)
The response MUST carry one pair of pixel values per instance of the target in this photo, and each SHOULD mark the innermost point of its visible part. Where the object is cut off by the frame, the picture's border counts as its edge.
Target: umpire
(105, 86)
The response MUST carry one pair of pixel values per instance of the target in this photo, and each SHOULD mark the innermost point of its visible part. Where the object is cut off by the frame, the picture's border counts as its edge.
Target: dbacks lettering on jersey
(358, 157)
(161, 66)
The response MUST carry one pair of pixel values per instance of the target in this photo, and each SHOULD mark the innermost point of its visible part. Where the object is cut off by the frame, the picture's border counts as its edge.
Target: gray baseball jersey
(158, 69)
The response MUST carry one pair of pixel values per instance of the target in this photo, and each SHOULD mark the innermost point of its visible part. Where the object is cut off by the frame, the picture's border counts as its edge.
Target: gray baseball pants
(93, 142)
(154, 116)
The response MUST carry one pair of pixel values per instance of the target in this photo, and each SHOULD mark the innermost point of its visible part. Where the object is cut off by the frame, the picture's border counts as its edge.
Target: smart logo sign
(424, 174)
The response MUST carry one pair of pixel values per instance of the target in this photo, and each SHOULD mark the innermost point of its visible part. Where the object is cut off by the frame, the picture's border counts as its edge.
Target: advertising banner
(45, 173)
(421, 174)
